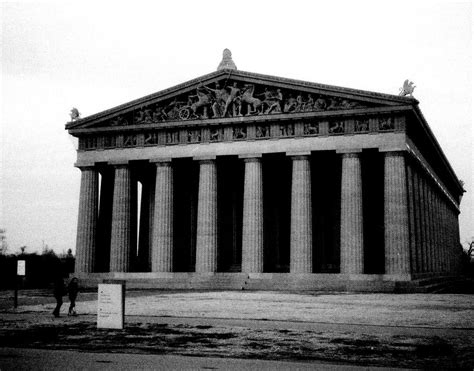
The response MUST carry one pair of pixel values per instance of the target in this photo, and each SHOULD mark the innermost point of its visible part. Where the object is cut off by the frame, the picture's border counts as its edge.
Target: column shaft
(439, 244)
(424, 224)
(445, 237)
(87, 221)
(418, 222)
(162, 247)
(206, 235)
(252, 228)
(352, 238)
(412, 224)
(301, 238)
(432, 230)
(397, 257)
(121, 246)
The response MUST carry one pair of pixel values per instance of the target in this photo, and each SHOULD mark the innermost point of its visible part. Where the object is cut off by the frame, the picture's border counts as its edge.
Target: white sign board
(110, 306)
(21, 268)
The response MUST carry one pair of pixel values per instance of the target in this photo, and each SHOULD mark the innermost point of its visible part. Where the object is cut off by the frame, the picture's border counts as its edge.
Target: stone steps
(272, 282)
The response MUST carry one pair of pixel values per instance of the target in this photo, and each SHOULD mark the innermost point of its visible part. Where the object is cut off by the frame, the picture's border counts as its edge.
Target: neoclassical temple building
(239, 180)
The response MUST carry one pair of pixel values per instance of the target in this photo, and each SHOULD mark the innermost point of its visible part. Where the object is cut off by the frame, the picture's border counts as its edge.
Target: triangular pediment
(228, 94)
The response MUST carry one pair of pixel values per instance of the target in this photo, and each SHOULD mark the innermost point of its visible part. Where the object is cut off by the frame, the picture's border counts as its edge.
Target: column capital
(250, 156)
(209, 158)
(118, 163)
(85, 165)
(344, 151)
(350, 155)
(394, 150)
(298, 153)
(159, 161)
(394, 154)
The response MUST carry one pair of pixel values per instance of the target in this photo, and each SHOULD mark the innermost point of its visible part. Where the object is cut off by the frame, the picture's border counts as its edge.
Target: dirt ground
(404, 330)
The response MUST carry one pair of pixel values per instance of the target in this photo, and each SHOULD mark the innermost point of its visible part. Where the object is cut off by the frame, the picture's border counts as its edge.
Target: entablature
(378, 120)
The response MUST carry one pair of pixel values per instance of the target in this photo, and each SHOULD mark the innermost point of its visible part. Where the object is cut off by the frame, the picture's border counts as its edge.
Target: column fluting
(87, 221)
(120, 252)
(206, 235)
(162, 245)
(301, 238)
(397, 256)
(252, 226)
(352, 238)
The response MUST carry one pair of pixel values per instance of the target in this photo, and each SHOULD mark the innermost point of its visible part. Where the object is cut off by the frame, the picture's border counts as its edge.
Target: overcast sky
(96, 55)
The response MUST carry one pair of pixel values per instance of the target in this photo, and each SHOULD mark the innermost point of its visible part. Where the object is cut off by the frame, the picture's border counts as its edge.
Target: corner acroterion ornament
(407, 89)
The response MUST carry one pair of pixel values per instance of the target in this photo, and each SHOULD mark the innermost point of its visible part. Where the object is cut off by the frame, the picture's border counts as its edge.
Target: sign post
(20, 272)
(111, 305)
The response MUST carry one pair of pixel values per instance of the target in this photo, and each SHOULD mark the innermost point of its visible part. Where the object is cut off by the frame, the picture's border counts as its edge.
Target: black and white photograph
(193, 185)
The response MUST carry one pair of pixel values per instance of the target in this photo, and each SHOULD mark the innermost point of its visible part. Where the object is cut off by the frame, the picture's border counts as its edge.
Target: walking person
(59, 291)
(72, 289)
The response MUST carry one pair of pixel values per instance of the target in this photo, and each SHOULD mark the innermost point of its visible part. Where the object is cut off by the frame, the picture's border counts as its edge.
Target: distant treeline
(41, 269)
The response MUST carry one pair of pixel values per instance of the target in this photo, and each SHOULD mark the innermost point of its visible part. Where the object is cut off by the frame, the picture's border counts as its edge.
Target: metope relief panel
(311, 128)
(239, 133)
(216, 134)
(336, 127)
(262, 131)
(361, 126)
(194, 136)
(151, 139)
(386, 123)
(287, 130)
(130, 140)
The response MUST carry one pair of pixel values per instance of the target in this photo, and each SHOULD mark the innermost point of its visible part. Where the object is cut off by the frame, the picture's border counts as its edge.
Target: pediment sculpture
(229, 99)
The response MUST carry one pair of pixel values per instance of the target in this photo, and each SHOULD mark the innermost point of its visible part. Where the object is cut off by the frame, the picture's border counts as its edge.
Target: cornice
(436, 146)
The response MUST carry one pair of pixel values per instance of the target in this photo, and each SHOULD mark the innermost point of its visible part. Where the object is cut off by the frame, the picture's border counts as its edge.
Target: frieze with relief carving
(233, 99)
(259, 130)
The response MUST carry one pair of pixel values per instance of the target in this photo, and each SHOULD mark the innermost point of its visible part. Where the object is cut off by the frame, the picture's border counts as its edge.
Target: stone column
(438, 233)
(451, 238)
(412, 221)
(418, 217)
(445, 236)
(397, 256)
(121, 249)
(87, 221)
(162, 245)
(435, 229)
(352, 236)
(424, 224)
(206, 235)
(252, 225)
(431, 227)
(301, 237)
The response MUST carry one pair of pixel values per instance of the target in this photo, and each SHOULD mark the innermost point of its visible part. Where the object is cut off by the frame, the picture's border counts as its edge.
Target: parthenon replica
(238, 180)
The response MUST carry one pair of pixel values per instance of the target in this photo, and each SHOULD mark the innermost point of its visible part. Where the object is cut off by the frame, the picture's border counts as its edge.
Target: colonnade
(433, 225)
(420, 228)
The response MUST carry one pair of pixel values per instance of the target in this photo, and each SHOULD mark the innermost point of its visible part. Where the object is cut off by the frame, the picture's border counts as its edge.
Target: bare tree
(3, 241)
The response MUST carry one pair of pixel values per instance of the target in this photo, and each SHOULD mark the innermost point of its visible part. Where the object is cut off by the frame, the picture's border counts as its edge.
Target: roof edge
(437, 147)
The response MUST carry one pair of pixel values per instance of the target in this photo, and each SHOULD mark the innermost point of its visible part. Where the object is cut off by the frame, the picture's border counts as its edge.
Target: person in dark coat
(72, 289)
(58, 292)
